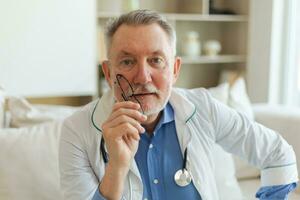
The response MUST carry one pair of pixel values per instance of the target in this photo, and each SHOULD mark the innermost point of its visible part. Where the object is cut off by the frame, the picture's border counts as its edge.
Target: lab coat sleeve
(260, 146)
(77, 178)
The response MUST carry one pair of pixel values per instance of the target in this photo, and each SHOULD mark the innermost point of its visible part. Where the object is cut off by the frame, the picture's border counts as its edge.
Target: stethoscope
(182, 177)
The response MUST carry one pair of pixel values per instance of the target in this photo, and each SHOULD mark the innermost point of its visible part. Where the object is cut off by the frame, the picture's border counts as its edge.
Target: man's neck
(151, 122)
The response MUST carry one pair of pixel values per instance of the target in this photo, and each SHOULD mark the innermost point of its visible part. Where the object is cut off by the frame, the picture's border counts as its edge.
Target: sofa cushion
(236, 97)
(22, 113)
(29, 162)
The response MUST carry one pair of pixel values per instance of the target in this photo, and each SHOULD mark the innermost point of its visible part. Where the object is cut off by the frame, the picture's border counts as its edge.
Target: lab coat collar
(183, 108)
(102, 110)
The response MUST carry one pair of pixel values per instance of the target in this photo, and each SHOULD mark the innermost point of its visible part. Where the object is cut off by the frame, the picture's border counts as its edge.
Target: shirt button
(155, 181)
(150, 146)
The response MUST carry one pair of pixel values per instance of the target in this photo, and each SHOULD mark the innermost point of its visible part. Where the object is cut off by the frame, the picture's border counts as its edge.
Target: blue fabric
(160, 163)
(98, 196)
(163, 160)
(278, 192)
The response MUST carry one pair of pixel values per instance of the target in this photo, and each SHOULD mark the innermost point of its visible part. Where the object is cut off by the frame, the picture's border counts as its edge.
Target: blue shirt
(159, 157)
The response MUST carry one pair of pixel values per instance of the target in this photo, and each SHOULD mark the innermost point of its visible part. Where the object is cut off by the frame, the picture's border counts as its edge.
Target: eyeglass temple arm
(123, 92)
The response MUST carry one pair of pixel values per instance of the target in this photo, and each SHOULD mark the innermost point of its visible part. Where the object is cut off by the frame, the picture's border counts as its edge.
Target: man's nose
(143, 74)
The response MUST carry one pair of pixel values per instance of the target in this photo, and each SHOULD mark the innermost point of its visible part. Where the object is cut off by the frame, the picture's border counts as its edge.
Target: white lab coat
(200, 120)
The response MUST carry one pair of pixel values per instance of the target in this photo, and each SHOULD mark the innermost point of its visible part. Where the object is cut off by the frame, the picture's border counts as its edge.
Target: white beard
(158, 108)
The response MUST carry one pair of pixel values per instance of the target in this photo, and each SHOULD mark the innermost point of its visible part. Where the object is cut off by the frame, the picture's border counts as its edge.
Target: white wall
(259, 50)
(265, 50)
(48, 47)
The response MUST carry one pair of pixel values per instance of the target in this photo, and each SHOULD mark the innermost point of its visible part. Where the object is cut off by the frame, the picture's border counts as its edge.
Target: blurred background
(51, 51)
(246, 52)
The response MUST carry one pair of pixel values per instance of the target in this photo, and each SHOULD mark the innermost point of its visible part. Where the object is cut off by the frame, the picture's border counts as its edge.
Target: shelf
(200, 17)
(214, 59)
(188, 17)
(105, 15)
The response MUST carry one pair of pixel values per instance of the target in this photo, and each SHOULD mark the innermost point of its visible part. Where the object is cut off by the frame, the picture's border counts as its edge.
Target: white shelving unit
(194, 15)
(187, 17)
(214, 59)
(205, 17)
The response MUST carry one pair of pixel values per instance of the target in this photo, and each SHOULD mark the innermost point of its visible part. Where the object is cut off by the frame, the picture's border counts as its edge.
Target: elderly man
(145, 139)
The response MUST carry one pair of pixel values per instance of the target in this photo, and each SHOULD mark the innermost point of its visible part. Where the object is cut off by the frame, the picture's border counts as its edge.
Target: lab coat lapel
(102, 110)
(184, 110)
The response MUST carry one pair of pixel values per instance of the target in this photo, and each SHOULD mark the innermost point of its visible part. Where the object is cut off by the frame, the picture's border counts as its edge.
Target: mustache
(141, 89)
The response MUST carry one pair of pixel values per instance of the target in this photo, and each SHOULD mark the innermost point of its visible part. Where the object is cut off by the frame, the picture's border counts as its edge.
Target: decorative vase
(212, 47)
(191, 46)
(130, 5)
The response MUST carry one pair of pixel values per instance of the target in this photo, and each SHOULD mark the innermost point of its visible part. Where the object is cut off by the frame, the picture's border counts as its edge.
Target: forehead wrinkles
(140, 47)
(140, 39)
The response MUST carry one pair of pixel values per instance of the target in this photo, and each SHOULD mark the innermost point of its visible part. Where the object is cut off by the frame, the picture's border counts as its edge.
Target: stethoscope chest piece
(182, 177)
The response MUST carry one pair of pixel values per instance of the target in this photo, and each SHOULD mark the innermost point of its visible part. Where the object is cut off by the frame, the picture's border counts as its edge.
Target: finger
(138, 116)
(126, 104)
(129, 141)
(126, 140)
(127, 129)
(115, 133)
(125, 119)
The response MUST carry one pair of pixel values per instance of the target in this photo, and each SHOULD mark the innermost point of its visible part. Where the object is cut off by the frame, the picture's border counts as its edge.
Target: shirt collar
(166, 117)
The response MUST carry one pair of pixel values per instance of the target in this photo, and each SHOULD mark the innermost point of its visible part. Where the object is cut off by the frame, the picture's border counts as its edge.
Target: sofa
(29, 148)
(286, 121)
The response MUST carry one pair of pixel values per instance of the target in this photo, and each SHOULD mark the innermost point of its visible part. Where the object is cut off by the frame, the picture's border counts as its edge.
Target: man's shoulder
(82, 117)
(197, 99)
(193, 94)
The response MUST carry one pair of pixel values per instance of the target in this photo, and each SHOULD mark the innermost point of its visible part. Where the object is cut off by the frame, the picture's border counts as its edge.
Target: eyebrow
(125, 53)
(159, 52)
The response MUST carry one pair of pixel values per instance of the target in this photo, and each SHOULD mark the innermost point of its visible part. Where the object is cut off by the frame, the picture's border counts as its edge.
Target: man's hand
(121, 133)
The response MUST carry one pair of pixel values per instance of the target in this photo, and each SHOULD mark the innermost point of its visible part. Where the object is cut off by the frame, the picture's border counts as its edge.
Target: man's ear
(176, 69)
(106, 71)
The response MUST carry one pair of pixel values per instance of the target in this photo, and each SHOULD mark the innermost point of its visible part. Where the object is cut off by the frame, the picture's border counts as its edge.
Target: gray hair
(139, 17)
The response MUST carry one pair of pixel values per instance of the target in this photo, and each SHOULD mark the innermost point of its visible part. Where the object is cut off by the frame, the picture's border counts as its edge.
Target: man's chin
(152, 110)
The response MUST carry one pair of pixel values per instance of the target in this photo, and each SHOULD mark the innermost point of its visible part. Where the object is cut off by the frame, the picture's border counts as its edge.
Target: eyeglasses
(120, 78)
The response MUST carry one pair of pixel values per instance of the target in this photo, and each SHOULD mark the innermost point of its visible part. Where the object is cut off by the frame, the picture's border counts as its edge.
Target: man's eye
(127, 62)
(157, 62)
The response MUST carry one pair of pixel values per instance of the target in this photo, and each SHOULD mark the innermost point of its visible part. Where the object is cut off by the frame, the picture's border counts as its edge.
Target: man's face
(143, 55)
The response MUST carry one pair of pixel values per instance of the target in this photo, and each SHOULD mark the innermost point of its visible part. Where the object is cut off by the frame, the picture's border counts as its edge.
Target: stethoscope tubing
(105, 155)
